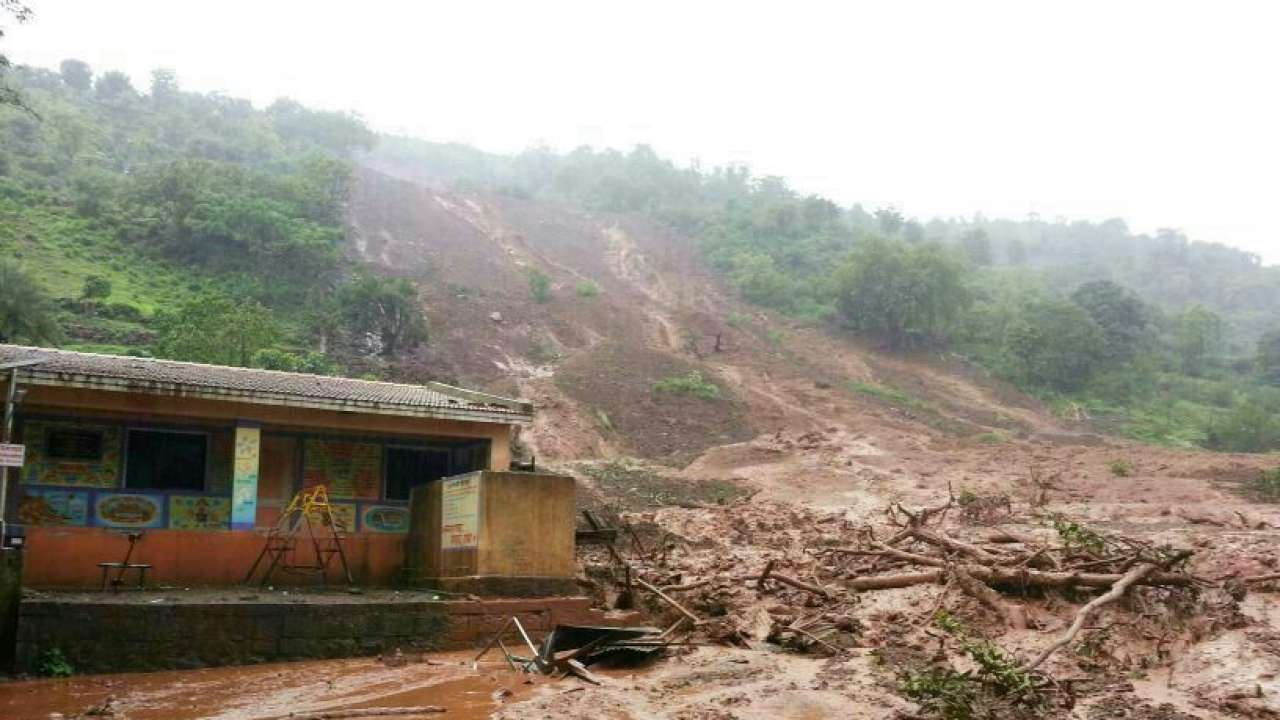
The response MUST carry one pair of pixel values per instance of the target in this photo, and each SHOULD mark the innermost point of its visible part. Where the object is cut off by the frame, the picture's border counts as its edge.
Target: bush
(539, 286)
(586, 289)
(54, 664)
(1120, 468)
(121, 311)
(95, 287)
(691, 384)
(1267, 485)
(1248, 428)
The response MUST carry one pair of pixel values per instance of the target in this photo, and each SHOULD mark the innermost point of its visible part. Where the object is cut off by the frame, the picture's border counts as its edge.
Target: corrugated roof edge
(522, 410)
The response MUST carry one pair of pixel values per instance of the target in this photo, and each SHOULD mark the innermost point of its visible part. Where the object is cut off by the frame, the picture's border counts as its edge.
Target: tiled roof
(43, 366)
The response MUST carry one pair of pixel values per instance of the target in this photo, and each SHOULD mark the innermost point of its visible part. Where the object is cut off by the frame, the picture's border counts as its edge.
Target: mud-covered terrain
(812, 438)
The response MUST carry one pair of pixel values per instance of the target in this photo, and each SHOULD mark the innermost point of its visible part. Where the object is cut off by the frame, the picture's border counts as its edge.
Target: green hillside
(170, 204)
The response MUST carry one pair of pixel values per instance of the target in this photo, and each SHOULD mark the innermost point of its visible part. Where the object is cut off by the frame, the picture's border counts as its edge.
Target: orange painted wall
(68, 556)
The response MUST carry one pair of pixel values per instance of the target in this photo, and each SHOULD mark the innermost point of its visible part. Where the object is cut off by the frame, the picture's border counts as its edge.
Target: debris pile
(755, 574)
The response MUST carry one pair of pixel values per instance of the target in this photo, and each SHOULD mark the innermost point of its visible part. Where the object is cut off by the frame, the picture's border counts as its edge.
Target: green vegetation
(586, 289)
(128, 211)
(1120, 468)
(215, 329)
(27, 315)
(884, 393)
(53, 663)
(1267, 485)
(692, 385)
(997, 680)
(539, 286)
(1079, 537)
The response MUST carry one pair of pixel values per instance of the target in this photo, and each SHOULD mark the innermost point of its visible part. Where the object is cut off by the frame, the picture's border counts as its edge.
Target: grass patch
(635, 487)
(691, 385)
(1120, 468)
(1267, 485)
(586, 289)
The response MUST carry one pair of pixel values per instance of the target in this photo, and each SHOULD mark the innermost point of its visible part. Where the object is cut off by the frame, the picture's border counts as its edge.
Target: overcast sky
(1164, 113)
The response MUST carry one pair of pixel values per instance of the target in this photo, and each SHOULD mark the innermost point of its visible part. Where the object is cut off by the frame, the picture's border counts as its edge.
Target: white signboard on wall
(460, 512)
(11, 455)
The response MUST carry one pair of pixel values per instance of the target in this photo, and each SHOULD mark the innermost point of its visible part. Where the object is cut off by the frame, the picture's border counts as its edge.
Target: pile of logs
(920, 552)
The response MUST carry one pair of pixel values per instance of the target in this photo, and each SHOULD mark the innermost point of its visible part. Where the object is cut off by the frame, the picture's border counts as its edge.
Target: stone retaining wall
(121, 636)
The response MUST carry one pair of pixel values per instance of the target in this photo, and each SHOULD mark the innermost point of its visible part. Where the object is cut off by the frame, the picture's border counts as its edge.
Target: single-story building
(205, 458)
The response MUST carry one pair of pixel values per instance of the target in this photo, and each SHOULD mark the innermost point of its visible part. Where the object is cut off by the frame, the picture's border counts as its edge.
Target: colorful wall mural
(44, 506)
(72, 454)
(351, 470)
(197, 512)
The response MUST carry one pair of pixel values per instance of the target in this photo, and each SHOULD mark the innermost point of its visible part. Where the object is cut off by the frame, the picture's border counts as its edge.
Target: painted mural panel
(460, 512)
(384, 519)
(344, 514)
(244, 492)
(188, 512)
(129, 510)
(43, 506)
(351, 470)
(72, 454)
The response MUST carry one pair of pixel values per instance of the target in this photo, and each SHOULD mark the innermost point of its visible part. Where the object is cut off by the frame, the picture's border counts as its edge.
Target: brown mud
(258, 691)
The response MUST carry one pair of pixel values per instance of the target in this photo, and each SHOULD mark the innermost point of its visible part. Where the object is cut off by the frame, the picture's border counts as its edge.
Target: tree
(27, 315)
(1122, 317)
(1269, 357)
(76, 74)
(1055, 344)
(275, 359)
(164, 84)
(977, 246)
(215, 329)
(385, 312)
(539, 285)
(889, 220)
(95, 287)
(1197, 337)
(20, 13)
(114, 85)
(904, 295)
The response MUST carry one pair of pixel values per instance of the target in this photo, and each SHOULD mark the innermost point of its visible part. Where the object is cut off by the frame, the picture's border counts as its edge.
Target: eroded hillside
(802, 418)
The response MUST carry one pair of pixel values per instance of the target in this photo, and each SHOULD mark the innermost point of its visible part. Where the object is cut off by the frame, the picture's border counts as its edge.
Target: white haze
(1163, 113)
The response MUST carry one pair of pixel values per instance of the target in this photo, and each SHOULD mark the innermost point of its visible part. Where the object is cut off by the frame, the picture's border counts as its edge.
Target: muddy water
(260, 691)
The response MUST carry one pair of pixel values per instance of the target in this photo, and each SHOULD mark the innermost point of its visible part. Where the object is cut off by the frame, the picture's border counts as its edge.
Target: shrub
(95, 287)
(54, 664)
(121, 311)
(691, 384)
(1248, 428)
(1267, 485)
(586, 289)
(539, 286)
(1120, 468)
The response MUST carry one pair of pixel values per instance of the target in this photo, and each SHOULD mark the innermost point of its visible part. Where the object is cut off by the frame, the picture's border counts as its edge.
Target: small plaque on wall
(460, 512)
